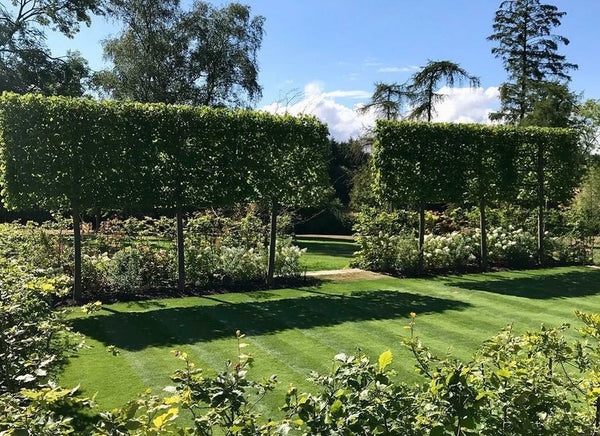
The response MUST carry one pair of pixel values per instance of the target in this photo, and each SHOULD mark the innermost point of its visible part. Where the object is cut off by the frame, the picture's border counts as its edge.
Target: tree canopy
(202, 56)
(26, 63)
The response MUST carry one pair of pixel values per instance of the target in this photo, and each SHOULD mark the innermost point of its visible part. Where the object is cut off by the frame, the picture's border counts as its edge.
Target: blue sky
(334, 50)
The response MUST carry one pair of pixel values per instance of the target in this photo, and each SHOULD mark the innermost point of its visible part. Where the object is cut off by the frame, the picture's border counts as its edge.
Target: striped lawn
(326, 253)
(294, 331)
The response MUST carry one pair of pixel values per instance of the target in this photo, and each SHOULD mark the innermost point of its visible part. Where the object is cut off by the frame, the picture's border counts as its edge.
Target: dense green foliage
(586, 204)
(114, 155)
(26, 63)
(81, 154)
(34, 342)
(417, 163)
(437, 163)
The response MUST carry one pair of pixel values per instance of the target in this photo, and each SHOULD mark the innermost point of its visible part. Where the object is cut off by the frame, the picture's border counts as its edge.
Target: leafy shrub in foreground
(515, 384)
(34, 341)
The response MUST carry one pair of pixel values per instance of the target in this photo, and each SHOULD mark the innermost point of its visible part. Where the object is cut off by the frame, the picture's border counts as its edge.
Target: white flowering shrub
(201, 261)
(287, 258)
(406, 252)
(239, 264)
(461, 249)
(224, 262)
(511, 247)
(94, 269)
(449, 252)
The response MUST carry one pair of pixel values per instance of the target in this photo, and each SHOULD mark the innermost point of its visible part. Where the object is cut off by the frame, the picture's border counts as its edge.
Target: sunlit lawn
(294, 331)
(326, 254)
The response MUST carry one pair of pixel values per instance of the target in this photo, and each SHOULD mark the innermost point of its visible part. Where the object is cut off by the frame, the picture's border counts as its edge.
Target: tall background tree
(424, 94)
(202, 56)
(529, 50)
(26, 63)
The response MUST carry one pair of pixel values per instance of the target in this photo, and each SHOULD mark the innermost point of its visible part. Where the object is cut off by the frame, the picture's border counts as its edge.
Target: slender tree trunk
(541, 197)
(272, 243)
(421, 235)
(96, 226)
(180, 253)
(77, 254)
(483, 227)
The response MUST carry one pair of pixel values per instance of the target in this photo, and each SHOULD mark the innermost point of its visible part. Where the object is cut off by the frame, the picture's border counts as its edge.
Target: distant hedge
(418, 163)
(78, 154)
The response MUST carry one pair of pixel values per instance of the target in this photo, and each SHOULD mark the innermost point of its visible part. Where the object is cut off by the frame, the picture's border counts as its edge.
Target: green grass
(326, 254)
(294, 331)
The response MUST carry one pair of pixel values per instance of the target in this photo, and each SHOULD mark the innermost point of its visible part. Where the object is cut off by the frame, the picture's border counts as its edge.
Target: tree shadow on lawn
(328, 248)
(187, 325)
(533, 285)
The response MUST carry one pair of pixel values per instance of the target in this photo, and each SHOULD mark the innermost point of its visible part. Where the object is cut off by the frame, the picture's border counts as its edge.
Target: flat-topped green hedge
(61, 152)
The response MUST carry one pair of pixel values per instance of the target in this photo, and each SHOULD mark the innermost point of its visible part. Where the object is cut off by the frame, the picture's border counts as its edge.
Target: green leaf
(385, 359)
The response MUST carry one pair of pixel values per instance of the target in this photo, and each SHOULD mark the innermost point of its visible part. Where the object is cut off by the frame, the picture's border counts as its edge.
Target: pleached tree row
(423, 163)
(80, 154)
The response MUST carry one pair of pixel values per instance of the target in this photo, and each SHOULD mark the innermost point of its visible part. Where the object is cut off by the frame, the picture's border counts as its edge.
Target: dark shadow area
(528, 285)
(188, 325)
(328, 247)
(108, 296)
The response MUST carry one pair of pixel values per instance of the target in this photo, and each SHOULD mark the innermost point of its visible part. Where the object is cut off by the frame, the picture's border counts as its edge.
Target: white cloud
(467, 105)
(460, 105)
(343, 122)
(398, 69)
(357, 95)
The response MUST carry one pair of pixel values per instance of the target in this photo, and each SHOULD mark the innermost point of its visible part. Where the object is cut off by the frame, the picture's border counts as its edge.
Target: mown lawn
(294, 331)
(326, 254)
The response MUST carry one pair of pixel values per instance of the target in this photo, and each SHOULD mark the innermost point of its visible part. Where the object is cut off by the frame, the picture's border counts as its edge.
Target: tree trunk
(180, 253)
(96, 222)
(272, 243)
(541, 200)
(77, 254)
(421, 235)
(483, 227)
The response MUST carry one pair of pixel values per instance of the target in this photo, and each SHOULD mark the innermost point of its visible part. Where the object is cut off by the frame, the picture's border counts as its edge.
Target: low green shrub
(140, 268)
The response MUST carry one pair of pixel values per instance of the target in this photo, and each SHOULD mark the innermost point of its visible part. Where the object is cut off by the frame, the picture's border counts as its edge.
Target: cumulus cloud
(343, 122)
(464, 105)
(467, 105)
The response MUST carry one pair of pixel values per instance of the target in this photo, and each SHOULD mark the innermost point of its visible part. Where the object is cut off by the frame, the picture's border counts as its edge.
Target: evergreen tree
(424, 96)
(387, 101)
(529, 50)
(425, 84)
